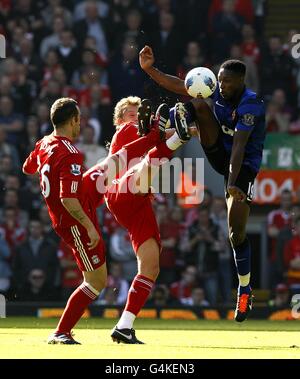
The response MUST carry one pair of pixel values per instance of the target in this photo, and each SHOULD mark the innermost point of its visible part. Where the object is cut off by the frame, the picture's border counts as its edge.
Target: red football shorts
(133, 212)
(77, 239)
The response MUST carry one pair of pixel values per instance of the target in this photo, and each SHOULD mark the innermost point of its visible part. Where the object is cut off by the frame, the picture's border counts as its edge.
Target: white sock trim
(244, 280)
(174, 142)
(126, 321)
(91, 288)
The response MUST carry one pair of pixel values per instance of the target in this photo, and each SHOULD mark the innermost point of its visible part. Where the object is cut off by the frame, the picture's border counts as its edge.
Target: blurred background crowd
(88, 50)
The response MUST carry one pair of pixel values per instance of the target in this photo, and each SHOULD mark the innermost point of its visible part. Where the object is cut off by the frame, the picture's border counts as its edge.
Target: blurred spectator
(102, 9)
(32, 135)
(169, 233)
(219, 217)
(259, 7)
(36, 253)
(292, 257)
(183, 289)
(10, 228)
(5, 268)
(194, 57)
(250, 48)
(167, 43)
(36, 288)
(276, 69)
(130, 27)
(277, 220)
(6, 168)
(206, 244)
(109, 297)
(12, 122)
(50, 92)
(275, 120)
(53, 10)
(116, 283)
(279, 98)
(29, 58)
(8, 149)
(285, 234)
(31, 199)
(90, 87)
(93, 25)
(226, 29)
(125, 75)
(71, 276)
(68, 53)
(52, 41)
(51, 64)
(45, 220)
(11, 200)
(282, 297)
(160, 297)
(197, 299)
(89, 63)
(43, 114)
(28, 10)
(242, 7)
(121, 251)
(294, 127)
(93, 153)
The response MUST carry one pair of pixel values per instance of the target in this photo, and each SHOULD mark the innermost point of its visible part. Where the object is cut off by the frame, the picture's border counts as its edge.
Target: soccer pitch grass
(24, 337)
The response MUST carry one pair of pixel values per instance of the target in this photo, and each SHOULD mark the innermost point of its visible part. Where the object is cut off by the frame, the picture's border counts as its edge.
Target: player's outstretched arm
(74, 207)
(171, 83)
(237, 155)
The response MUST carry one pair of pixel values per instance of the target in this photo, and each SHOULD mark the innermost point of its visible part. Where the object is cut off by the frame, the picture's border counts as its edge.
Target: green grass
(26, 338)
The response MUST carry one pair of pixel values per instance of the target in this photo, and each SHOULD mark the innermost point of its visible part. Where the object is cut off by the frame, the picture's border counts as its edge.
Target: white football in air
(200, 82)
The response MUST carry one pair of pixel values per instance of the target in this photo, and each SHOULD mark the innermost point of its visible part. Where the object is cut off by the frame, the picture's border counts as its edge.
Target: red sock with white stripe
(75, 307)
(138, 294)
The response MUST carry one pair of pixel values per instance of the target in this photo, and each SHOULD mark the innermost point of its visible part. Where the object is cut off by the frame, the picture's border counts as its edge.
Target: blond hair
(121, 107)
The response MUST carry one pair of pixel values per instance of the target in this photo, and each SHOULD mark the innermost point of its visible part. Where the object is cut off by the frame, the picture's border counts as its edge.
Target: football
(200, 82)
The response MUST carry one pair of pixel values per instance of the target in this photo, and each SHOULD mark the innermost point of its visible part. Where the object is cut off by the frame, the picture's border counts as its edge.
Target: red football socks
(75, 307)
(138, 293)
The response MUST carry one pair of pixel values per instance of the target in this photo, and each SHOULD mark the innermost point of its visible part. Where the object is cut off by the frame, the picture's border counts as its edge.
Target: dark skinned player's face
(230, 84)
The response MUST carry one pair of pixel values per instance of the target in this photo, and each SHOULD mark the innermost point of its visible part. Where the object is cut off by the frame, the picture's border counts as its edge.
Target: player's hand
(146, 58)
(94, 238)
(236, 193)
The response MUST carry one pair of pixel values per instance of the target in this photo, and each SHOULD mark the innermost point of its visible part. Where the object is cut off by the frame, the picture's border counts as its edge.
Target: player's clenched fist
(146, 57)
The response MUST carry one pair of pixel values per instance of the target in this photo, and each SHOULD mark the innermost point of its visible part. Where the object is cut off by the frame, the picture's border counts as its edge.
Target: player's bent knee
(150, 271)
(98, 284)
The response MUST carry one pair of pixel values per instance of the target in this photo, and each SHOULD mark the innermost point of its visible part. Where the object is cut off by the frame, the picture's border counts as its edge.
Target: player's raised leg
(146, 241)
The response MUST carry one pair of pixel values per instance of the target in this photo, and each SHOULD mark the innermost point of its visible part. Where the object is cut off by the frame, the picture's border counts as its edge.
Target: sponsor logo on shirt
(75, 169)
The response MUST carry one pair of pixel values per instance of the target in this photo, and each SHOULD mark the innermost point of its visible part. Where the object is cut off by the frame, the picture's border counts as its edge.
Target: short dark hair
(234, 65)
(62, 110)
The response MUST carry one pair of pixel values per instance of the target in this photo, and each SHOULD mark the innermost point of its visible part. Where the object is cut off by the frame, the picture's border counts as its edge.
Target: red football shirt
(126, 134)
(59, 165)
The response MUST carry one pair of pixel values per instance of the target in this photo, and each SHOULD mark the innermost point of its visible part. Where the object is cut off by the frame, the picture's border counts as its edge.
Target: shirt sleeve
(248, 115)
(30, 166)
(70, 176)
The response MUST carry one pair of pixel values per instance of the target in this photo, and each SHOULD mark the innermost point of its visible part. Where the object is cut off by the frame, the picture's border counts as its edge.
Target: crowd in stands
(88, 50)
